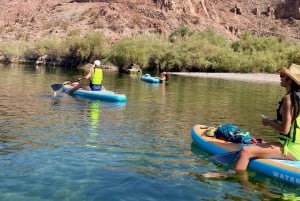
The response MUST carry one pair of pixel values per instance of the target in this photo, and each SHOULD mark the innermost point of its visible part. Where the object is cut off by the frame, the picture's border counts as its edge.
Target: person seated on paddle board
(164, 77)
(95, 75)
(286, 124)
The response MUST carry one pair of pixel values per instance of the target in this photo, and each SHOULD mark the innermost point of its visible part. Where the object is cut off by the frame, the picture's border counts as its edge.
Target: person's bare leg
(265, 150)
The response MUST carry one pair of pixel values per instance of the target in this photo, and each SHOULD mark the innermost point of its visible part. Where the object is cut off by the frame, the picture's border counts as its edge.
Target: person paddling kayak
(95, 76)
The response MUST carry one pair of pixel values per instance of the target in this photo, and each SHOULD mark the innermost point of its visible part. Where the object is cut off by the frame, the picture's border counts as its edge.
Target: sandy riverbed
(247, 77)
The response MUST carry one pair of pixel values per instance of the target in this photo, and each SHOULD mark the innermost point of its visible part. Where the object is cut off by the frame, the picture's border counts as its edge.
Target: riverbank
(247, 77)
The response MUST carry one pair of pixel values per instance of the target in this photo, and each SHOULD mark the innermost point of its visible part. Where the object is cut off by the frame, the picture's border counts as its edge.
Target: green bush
(12, 49)
(182, 50)
(140, 50)
(84, 49)
(51, 47)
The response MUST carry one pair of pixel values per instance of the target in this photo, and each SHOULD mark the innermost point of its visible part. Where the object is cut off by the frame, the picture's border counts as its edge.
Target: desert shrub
(136, 50)
(77, 51)
(265, 54)
(97, 45)
(190, 52)
(250, 43)
(171, 60)
(213, 38)
(257, 63)
(158, 47)
(196, 51)
(293, 54)
(183, 49)
(181, 32)
(221, 61)
(124, 53)
(84, 49)
(51, 47)
(12, 49)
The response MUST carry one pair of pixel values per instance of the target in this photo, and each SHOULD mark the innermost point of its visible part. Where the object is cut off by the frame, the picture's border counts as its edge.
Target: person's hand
(265, 121)
(78, 79)
(268, 122)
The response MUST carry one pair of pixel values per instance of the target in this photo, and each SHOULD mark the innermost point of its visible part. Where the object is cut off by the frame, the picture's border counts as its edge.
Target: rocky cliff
(33, 20)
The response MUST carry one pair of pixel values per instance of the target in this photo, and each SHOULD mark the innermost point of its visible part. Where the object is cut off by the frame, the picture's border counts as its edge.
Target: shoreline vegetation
(183, 50)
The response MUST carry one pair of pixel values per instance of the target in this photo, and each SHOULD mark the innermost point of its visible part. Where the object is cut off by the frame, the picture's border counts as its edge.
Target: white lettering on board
(286, 177)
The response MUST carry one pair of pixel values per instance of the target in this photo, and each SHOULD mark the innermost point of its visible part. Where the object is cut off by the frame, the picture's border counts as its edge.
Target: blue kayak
(150, 79)
(284, 170)
(105, 95)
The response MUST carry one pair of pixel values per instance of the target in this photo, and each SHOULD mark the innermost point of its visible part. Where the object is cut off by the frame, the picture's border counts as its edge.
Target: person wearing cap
(287, 124)
(95, 76)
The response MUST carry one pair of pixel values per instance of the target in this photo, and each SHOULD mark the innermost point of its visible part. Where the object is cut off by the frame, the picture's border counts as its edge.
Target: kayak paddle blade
(226, 158)
(56, 87)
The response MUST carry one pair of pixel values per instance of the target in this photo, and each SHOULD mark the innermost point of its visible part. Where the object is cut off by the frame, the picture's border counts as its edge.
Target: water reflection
(95, 110)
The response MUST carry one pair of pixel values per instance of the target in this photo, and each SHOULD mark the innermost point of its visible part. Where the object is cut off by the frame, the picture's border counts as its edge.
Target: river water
(69, 148)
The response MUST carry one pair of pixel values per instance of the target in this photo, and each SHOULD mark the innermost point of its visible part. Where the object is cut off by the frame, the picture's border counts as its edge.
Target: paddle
(226, 158)
(56, 87)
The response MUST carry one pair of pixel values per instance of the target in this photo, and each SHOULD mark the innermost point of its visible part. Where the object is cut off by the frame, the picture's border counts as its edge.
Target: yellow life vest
(295, 131)
(294, 134)
(97, 76)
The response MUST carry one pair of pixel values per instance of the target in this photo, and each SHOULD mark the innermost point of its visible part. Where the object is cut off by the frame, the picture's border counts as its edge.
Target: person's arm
(89, 75)
(287, 117)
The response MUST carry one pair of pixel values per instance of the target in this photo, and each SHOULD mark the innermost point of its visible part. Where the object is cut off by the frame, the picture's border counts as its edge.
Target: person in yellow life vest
(95, 76)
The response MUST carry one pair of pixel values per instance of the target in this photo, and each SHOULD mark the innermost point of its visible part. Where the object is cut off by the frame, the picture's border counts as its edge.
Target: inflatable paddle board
(285, 170)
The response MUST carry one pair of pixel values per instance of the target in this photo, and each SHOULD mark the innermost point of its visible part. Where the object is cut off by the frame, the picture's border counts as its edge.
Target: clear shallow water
(69, 148)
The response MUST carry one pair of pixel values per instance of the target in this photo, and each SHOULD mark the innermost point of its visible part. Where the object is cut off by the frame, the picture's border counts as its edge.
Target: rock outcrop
(34, 20)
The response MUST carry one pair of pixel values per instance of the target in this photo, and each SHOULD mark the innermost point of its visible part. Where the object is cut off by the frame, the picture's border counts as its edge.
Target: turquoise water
(69, 148)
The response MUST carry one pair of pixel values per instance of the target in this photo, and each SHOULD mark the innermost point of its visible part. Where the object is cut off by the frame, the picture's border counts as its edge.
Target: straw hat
(292, 72)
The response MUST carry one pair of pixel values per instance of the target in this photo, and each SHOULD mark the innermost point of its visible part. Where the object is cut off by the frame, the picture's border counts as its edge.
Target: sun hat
(293, 72)
(164, 73)
(97, 63)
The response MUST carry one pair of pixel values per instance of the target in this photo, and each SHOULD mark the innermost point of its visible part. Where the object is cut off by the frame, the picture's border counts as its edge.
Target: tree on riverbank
(182, 50)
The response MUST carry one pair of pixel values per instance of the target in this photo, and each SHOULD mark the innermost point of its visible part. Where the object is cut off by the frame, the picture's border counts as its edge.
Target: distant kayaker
(164, 77)
(95, 76)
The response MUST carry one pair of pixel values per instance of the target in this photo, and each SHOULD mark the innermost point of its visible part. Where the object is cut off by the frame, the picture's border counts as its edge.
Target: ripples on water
(69, 148)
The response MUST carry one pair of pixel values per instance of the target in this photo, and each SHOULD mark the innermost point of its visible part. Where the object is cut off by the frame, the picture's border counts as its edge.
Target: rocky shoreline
(246, 77)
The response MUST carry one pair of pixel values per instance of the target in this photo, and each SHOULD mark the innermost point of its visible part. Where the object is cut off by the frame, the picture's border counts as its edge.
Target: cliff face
(33, 20)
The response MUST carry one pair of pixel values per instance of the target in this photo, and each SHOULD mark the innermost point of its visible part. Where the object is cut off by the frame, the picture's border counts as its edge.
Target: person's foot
(219, 174)
(215, 175)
